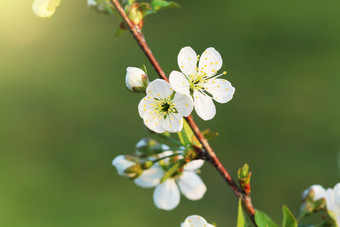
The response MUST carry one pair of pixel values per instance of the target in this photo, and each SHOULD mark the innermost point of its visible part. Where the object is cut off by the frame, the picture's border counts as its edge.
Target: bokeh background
(65, 112)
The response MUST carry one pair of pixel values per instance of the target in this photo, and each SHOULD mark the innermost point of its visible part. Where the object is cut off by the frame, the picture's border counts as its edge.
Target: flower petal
(154, 121)
(179, 82)
(210, 62)
(221, 89)
(150, 177)
(166, 195)
(183, 104)
(144, 105)
(195, 221)
(122, 164)
(187, 60)
(194, 165)
(204, 106)
(173, 122)
(191, 185)
(159, 89)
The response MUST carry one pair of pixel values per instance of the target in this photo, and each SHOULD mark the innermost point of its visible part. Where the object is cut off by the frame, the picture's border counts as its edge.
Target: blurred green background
(65, 112)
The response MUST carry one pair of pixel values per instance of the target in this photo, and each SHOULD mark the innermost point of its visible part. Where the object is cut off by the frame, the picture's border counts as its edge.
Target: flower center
(165, 107)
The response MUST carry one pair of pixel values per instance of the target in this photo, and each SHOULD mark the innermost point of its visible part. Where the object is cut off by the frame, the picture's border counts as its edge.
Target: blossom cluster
(149, 167)
(195, 87)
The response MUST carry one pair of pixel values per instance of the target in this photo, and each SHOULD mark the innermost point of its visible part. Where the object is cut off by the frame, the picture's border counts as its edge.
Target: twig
(211, 156)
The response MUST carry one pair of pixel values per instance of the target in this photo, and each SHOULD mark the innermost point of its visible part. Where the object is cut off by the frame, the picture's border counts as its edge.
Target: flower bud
(122, 164)
(135, 15)
(136, 80)
(147, 146)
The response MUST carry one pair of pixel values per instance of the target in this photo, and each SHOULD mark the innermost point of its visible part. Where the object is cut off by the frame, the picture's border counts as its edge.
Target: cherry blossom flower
(201, 82)
(331, 195)
(162, 109)
(45, 8)
(195, 221)
(167, 195)
(136, 79)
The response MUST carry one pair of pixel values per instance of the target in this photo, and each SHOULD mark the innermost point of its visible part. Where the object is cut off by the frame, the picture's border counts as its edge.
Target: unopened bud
(122, 163)
(244, 178)
(136, 80)
(135, 15)
(148, 146)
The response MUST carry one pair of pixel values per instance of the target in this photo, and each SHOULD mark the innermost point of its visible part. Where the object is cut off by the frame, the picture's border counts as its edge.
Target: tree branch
(211, 156)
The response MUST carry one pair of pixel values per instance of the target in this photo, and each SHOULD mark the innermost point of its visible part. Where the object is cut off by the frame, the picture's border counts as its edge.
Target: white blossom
(201, 82)
(331, 195)
(167, 195)
(45, 8)
(195, 221)
(162, 109)
(136, 79)
(122, 164)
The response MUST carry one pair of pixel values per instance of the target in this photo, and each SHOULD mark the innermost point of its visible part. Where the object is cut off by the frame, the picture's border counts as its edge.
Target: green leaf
(263, 220)
(208, 135)
(288, 218)
(162, 4)
(144, 69)
(240, 217)
(186, 134)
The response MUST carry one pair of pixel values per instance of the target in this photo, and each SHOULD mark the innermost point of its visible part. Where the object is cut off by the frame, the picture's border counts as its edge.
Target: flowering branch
(207, 152)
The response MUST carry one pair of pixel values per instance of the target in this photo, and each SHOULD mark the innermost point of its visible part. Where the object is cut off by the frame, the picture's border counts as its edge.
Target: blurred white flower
(91, 3)
(332, 197)
(136, 79)
(201, 82)
(162, 110)
(195, 221)
(167, 195)
(45, 8)
(121, 164)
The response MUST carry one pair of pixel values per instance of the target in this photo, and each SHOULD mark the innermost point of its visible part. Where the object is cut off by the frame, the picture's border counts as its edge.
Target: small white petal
(144, 105)
(166, 195)
(194, 165)
(187, 60)
(204, 106)
(150, 177)
(159, 89)
(191, 185)
(173, 122)
(122, 164)
(183, 104)
(195, 221)
(329, 199)
(221, 89)
(210, 62)
(154, 121)
(179, 82)
(319, 192)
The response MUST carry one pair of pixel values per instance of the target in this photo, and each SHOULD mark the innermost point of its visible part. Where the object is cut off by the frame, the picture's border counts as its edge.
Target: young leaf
(186, 134)
(162, 4)
(288, 218)
(263, 220)
(209, 135)
(144, 69)
(240, 217)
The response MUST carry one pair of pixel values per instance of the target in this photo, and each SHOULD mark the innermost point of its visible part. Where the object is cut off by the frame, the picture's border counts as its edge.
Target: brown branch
(211, 156)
